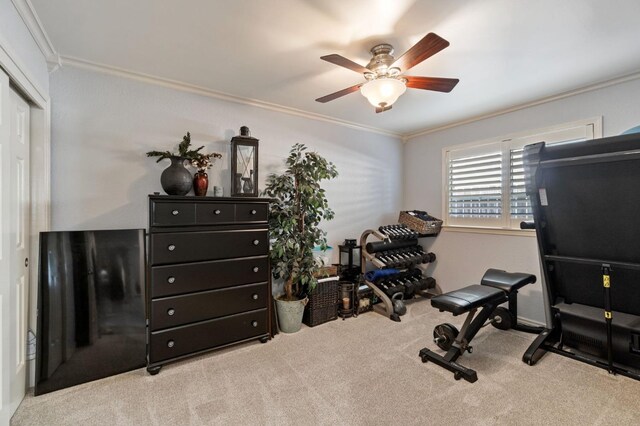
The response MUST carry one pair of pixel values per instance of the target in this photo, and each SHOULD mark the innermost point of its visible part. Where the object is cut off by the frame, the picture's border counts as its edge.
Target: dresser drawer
(188, 278)
(178, 310)
(177, 247)
(169, 214)
(214, 213)
(252, 212)
(174, 342)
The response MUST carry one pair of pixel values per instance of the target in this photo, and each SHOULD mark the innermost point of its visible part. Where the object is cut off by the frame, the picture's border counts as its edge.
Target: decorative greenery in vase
(184, 151)
(298, 206)
(204, 161)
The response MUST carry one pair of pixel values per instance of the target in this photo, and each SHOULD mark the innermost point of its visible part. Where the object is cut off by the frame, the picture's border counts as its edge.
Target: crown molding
(34, 25)
(54, 63)
(20, 75)
(590, 88)
(203, 91)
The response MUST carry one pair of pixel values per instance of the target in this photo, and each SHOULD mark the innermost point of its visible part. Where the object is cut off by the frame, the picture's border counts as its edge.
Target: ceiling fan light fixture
(383, 91)
(385, 81)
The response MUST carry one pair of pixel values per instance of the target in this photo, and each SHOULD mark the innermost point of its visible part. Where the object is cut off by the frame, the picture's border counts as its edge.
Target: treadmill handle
(527, 225)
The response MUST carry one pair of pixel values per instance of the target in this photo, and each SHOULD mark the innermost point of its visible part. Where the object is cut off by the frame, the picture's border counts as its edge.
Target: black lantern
(365, 299)
(346, 299)
(244, 164)
(349, 260)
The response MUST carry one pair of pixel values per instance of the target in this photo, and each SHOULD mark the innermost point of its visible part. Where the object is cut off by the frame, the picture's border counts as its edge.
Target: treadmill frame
(624, 148)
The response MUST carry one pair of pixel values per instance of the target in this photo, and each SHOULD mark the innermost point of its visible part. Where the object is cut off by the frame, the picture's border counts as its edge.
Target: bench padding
(506, 281)
(474, 296)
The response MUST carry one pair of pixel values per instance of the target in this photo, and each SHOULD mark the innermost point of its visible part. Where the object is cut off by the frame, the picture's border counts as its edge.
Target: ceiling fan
(383, 73)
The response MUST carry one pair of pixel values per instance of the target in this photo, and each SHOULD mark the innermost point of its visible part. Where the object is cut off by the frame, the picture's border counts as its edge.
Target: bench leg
(472, 324)
(513, 308)
(459, 371)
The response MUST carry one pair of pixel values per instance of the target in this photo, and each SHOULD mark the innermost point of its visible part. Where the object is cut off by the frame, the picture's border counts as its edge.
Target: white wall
(463, 257)
(16, 39)
(103, 125)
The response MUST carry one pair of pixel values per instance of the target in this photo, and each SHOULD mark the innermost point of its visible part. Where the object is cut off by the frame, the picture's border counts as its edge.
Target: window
(484, 181)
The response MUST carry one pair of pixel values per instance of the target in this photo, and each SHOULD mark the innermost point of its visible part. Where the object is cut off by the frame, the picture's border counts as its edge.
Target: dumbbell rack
(406, 255)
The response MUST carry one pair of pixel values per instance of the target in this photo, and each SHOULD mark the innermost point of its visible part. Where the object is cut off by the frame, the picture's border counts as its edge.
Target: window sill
(487, 230)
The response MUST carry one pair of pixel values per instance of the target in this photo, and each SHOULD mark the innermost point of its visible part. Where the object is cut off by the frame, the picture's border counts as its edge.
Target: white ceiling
(505, 52)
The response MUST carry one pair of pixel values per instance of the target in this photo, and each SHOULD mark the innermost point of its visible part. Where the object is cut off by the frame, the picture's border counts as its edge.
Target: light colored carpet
(357, 371)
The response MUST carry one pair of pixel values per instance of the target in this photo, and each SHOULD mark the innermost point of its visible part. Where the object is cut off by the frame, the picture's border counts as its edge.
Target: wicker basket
(421, 222)
(326, 271)
(323, 304)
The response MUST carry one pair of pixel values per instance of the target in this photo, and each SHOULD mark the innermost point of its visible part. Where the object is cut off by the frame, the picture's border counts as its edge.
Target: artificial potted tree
(298, 206)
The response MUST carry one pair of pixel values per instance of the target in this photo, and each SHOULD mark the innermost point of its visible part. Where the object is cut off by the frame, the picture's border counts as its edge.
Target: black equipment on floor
(496, 287)
(91, 315)
(585, 202)
(397, 254)
(349, 256)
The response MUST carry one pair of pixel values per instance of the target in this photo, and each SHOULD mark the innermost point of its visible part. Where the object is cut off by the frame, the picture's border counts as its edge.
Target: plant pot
(200, 183)
(176, 179)
(290, 314)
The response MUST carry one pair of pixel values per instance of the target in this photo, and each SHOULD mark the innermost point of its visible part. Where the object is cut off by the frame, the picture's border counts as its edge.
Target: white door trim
(40, 166)
(19, 236)
(5, 249)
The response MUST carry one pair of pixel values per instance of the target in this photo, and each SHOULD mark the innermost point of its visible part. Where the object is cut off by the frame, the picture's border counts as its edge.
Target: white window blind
(485, 183)
(475, 186)
(519, 204)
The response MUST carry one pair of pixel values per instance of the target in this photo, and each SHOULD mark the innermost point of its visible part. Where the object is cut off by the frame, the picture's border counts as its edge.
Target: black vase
(176, 179)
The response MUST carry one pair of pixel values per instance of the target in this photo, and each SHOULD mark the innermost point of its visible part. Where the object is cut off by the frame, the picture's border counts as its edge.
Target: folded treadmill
(586, 209)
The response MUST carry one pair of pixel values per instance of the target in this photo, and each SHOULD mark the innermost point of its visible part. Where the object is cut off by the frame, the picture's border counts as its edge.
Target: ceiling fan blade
(431, 83)
(344, 62)
(428, 46)
(339, 93)
(383, 109)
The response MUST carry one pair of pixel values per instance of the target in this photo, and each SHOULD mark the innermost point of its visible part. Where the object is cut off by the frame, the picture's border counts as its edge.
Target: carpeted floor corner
(362, 371)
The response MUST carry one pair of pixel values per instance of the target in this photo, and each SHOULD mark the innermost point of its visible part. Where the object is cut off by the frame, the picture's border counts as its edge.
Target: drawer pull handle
(256, 242)
(171, 280)
(256, 269)
(254, 323)
(171, 247)
(255, 296)
(253, 212)
(171, 343)
(175, 212)
(216, 212)
(171, 311)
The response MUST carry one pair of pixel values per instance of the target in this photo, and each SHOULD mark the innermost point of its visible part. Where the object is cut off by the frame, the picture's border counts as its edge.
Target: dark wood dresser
(208, 283)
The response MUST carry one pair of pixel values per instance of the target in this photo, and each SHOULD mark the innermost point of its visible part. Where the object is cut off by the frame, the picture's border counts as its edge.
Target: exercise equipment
(387, 245)
(398, 304)
(496, 287)
(396, 256)
(585, 202)
(392, 281)
(444, 335)
(399, 232)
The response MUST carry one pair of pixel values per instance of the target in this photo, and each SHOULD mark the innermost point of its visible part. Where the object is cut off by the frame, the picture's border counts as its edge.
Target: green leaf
(299, 205)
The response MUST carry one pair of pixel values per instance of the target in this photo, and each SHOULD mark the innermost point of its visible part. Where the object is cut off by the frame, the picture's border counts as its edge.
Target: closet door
(14, 249)
(5, 200)
(19, 247)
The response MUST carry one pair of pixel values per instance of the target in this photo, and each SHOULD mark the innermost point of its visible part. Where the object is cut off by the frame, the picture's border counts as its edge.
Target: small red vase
(200, 184)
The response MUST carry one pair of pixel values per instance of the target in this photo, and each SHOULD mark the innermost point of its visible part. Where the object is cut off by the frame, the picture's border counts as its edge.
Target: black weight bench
(496, 287)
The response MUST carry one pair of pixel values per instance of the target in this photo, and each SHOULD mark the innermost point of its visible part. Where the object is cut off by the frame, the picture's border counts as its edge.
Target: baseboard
(527, 321)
